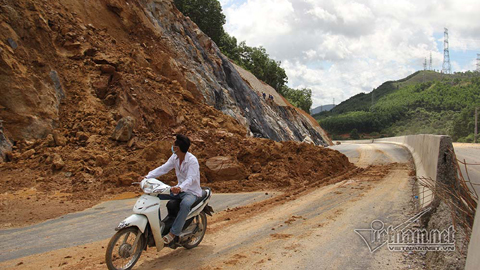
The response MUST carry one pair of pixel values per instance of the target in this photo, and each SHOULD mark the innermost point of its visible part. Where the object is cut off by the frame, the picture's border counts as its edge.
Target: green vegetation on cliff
(443, 104)
(208, 15)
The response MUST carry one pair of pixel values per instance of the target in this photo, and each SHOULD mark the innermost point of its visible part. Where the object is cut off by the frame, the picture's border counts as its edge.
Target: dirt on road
(28, 198)
(77, 69)
(307, 228)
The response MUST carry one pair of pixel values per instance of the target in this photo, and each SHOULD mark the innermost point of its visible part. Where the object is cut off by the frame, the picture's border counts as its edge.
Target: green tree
(228, 46)
(259, 63)
(207, 14)
(301, 98)
(433, 107)
(354, 134)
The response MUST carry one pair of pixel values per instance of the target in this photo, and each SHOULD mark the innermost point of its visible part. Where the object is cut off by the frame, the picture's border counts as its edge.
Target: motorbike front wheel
(124, 249)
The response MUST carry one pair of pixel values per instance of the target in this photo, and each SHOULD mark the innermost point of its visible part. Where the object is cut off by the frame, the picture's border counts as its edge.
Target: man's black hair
(183, 142)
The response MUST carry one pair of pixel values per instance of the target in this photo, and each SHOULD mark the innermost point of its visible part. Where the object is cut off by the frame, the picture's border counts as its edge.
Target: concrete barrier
(432, 155)
(473, 260)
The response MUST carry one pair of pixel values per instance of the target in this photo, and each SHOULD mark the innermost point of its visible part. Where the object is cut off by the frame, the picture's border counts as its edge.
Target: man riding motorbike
(188, 188)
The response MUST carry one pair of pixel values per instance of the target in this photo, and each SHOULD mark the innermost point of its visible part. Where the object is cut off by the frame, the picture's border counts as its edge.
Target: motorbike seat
(199, 200)
(173, 206)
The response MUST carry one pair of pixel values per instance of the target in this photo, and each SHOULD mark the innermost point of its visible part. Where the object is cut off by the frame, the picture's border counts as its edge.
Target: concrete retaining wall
(433, 156)
(473, 260)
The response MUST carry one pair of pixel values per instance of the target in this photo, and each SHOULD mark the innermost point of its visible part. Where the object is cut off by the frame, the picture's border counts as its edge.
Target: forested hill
(424, 102)
(363, 102)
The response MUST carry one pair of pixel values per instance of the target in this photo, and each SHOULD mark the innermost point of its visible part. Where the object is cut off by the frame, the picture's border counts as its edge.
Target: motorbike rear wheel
(124, 249)
(196, 238)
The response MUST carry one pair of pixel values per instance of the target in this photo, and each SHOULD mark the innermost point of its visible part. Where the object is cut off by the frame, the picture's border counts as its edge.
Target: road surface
(469, 153)
(365, 154)
(311, 230)
(91, 225)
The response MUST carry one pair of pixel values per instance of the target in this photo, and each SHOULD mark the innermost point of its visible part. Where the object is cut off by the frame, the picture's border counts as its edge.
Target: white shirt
(188, 175)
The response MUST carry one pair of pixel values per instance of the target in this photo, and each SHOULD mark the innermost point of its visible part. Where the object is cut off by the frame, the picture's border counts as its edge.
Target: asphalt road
(365, 154)
(470, 153)
(91, 225)
(314, 231)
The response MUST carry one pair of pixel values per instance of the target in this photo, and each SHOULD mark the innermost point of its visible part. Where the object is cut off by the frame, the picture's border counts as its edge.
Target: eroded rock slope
(92, 91)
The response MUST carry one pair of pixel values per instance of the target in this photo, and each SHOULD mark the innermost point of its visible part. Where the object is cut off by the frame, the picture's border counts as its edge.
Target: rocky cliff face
(164, 44)
(92, 91)
(222, 85)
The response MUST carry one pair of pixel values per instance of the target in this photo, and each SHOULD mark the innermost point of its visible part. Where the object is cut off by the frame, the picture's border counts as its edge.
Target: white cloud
(344, 47)
(272, 17)
(322, 14)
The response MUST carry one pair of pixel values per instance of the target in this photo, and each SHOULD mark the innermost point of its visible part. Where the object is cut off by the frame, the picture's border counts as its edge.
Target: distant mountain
(425, 102)
(322, 108)
(363, 101)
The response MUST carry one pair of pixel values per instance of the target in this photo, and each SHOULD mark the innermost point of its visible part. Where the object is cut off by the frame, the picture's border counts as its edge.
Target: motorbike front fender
(136, 220)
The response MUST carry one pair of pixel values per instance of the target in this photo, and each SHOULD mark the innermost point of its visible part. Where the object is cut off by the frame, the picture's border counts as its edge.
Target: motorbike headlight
(146, 186)
(153, 186)
(159, 189)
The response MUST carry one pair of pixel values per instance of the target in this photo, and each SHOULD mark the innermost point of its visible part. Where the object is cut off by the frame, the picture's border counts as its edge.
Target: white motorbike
(145, 228)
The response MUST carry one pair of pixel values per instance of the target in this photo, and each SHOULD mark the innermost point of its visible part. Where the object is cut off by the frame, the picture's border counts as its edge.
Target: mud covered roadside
(63, 157)
(33, 191)
(347, 187)
(29, 206)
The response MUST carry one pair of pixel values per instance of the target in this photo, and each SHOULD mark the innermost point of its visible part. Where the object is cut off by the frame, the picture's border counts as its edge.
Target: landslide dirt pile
(90, 99)
(112, 48)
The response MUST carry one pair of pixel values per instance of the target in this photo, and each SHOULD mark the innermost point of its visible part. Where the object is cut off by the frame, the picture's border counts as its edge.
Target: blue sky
(343, 47)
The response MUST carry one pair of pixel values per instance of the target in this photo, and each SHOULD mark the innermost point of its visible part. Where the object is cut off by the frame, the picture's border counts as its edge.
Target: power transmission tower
(478, 62)
(430, 66)
(446, 68)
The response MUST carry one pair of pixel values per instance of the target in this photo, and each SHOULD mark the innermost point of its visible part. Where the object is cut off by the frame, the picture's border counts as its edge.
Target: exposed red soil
(105, 78)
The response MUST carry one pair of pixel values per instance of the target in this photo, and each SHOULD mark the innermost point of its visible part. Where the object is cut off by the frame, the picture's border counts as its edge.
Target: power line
(446, 67)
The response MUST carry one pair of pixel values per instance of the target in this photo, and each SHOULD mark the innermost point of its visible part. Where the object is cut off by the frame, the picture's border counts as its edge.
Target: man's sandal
(167, 239)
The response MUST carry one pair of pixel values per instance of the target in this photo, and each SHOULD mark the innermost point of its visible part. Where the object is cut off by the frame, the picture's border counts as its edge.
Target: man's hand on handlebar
(175, 190)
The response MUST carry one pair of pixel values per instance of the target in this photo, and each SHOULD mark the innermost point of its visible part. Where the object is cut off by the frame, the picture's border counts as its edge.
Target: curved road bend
(315, 231)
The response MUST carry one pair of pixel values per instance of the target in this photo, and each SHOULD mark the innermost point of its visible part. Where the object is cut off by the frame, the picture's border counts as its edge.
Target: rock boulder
(60, 140)
(102, 160)
(224, 168)
(5, 145)
(156, 151)
(50, 141)
(123, 130)
(127, 179)
(57, 162)
(27, 154)
(256, 167)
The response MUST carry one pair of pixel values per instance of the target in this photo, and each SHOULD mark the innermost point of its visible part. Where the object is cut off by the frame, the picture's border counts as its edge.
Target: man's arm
(165, 168)
(193, 170)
